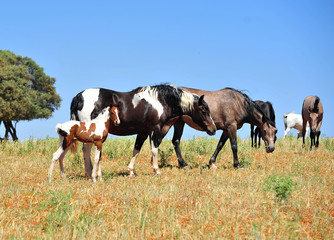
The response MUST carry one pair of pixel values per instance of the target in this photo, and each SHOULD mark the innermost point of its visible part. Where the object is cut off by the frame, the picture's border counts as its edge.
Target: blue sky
(278, 51)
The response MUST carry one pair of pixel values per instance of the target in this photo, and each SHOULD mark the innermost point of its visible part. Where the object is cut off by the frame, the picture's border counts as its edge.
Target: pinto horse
(230, 109)
(145, 111)
(95, 132)
(312, 113)
(268, 110)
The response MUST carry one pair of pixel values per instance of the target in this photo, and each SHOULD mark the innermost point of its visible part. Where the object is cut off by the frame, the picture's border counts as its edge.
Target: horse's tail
(60, 131)
(316, 103)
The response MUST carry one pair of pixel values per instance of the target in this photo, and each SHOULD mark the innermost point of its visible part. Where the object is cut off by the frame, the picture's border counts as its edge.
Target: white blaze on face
(149, 96)
(117, 115)
(90, 96)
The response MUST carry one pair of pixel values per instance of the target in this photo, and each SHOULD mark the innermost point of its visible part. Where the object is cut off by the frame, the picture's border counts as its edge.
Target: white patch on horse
(66, 127)
(100, 121)
(150, 96)
(90, 96)
(187, 101)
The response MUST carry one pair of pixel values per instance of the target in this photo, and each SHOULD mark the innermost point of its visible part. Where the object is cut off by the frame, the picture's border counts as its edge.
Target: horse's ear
(200, 101)
(115, 100)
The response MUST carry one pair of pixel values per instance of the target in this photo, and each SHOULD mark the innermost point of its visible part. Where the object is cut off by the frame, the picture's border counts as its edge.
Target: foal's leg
(86, 148)
(139, 143)
(58, 155)
(97, 161)
(178, 131)
(317, 134)
(221, 143)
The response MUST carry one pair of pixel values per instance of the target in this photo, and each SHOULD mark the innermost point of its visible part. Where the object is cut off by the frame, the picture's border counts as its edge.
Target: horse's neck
(256, 118)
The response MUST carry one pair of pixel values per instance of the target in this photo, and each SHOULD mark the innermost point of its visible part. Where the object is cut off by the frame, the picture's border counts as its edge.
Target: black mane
(250, 106)
(168, 96)
(316, 105)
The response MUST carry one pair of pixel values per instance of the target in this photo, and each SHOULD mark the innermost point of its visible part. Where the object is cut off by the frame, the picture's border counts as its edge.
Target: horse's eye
(264, 132)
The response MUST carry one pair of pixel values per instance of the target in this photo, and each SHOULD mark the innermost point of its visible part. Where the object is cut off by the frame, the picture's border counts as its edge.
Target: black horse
(268, 110)
(145, 111)
(230, 109)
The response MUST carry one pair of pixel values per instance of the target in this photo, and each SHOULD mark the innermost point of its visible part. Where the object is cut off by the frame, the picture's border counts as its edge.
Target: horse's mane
(178, 99)
(316, 105)
(250, 105)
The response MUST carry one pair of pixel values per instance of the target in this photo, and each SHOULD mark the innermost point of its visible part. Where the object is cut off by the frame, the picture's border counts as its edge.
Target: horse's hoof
(186, 167)
(238, 167)
(213, 166)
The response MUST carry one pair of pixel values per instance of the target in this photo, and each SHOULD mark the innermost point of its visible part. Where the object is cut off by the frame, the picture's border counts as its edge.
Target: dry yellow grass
(197, 203)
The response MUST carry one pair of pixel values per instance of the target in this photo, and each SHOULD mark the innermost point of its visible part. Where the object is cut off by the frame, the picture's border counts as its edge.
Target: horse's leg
(86, 148)
(96, 160)
(252, 134)
(221, 143)
(304, 131)
(178, 131)
(55, 157)
(286, 131)
(317, 135)
(155, 142)
(139, 143)
(258, 135)
(58, 155)
(312, 136)
(234, 146)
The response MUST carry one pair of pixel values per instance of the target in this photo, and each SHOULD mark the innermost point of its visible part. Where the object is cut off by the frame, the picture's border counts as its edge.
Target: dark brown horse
(145, 111)
(312, 113)
(268, 110)
(230, 109)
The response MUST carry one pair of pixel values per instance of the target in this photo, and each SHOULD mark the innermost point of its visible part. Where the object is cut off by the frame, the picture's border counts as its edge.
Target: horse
(229, 109)
(94, 132)
(145, 111)
(293, 120)
(268, 110)
(312, 112)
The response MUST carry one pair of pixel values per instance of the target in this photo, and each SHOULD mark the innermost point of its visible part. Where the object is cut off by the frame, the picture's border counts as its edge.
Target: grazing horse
(229, 109)
(268, 110)
(95, 132)
(145, 111)
(312, 113)
(293, 120)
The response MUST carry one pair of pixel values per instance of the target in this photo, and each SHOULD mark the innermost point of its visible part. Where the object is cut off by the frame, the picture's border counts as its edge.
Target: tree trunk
(10, 129)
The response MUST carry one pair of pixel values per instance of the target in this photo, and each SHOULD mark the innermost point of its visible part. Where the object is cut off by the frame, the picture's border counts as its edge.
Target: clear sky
(278, 51)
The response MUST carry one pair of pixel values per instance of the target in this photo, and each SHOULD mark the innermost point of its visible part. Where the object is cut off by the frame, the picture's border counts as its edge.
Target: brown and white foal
(95, 132)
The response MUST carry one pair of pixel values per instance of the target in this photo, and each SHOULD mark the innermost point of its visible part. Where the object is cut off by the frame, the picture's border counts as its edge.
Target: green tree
(26, 92)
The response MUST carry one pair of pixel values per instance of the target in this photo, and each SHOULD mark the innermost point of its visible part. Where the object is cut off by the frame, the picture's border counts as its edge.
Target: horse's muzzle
(270, 149)
(211, 132)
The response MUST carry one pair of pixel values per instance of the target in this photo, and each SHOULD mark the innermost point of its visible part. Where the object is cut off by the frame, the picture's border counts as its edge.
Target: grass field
(288, 194)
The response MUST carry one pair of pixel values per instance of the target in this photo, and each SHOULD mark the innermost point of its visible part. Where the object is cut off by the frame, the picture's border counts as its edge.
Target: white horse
(293, 120)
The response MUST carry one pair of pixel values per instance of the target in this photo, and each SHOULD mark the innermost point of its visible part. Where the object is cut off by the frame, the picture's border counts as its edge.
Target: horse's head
(268, 133)
(114, 115)
(201, 116)
(313, 119)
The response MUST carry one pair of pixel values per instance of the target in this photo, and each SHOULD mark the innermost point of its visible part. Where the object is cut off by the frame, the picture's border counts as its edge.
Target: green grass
(195, 203)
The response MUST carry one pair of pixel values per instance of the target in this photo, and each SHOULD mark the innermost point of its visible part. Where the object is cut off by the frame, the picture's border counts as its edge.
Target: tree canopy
(26, 92)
